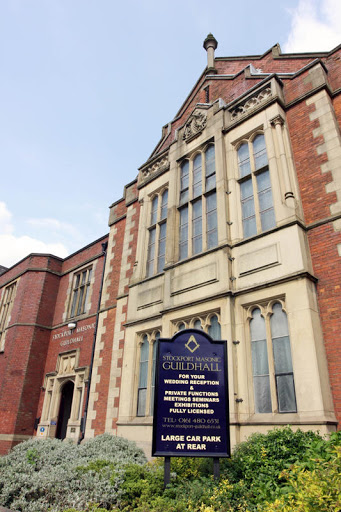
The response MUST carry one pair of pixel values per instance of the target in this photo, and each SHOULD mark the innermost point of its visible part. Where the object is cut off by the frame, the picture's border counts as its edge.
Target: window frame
(253, 176)
(196, 174)
(266, 312)
(80, 290)
(157, 223)
(6, 306)
(151, 338)
(205, 319)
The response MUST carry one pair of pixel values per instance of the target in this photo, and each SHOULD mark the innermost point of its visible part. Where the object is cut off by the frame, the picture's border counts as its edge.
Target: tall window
(157, 234)
(5, 311)
(255, 187)
(273, 378)
(80, 292)
(198, 204)
(209, 323)
(147, 367)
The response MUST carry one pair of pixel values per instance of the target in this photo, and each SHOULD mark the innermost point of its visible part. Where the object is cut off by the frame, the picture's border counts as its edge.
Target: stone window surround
(157, 225)
(191, 199)
(253, 174)
(265, 307)
(6, 305)
(151, 338)
(70, 290)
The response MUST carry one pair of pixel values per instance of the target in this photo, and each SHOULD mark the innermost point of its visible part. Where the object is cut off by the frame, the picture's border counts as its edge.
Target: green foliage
(191, 468)
(140, 485)
(315, 490)
(257, 473)
(40, 475)
(282, 471)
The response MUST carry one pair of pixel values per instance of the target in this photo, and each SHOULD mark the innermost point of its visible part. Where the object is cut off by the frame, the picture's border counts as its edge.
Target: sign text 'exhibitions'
(191, 403)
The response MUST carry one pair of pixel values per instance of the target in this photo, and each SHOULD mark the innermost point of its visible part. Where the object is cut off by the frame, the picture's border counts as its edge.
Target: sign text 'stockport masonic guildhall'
(231, 228)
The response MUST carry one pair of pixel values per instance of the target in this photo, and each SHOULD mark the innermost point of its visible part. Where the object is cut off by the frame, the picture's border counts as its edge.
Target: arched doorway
(64, 409)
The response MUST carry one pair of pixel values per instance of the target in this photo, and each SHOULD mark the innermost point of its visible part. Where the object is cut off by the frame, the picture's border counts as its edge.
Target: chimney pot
(210, 44)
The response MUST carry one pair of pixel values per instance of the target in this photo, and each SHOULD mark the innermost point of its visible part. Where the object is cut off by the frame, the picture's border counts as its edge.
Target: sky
(86, 86)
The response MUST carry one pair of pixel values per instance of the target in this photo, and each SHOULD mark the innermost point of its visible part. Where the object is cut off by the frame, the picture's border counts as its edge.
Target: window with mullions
(209, 323)
(80, 292)
(273, 377)
(157, 234)
(147, 367)
(5, 311)
(198, 230)
(255, 187)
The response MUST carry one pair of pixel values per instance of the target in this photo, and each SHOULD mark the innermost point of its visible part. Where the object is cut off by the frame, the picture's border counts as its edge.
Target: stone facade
(233, 226)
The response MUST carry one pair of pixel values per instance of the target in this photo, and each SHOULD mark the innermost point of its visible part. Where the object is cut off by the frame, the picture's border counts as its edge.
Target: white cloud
(5, 219)
(315, 26)
(53, 224)
(14, 248)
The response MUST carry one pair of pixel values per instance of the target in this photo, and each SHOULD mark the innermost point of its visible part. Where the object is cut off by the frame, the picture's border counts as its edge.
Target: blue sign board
(191, 414)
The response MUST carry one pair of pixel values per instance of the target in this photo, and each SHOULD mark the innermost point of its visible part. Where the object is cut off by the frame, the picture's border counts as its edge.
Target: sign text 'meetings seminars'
(191, 415)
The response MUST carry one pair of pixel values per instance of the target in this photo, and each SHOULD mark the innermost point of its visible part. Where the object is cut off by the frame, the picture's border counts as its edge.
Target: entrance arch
(64, 409)
(64, 396)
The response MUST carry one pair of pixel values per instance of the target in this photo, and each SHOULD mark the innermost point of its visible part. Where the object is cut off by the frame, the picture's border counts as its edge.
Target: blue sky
(86, 86)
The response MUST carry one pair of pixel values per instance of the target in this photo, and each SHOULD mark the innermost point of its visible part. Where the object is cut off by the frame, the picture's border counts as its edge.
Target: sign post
(191, 414)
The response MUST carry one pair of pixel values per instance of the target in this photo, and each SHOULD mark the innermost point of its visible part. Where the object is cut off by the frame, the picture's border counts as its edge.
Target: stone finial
(210, 44)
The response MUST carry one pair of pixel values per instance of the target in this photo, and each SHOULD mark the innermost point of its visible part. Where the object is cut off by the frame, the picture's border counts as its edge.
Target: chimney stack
(210, 44)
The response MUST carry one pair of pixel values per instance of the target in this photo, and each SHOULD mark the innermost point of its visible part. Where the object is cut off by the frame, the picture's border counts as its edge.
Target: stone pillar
(277, 122)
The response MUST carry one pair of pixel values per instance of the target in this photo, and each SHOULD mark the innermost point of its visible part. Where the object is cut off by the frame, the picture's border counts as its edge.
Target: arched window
(147, 373)
(282, 360)
(143, 377)
(198, 229)
(214, 329)
(207, 322)
(255, 187)
(261, 380)
(273, 377)
(197, 324)
(157, 234)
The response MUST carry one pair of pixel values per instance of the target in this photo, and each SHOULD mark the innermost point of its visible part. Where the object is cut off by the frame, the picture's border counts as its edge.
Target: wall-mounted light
(72, 325)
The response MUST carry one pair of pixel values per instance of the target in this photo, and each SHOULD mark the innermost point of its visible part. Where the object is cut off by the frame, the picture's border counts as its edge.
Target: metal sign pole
(216, 468)
(167, 472)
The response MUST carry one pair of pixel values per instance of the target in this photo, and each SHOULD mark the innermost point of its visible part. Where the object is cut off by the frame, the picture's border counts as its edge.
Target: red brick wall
(323, 240)
(115, 256)
(22, 362)
(327, 268)
(30, 350)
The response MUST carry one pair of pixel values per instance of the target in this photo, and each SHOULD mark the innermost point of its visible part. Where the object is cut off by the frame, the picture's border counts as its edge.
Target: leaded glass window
(156, 252)
(273, 377)
(198, 226)
(255, 187)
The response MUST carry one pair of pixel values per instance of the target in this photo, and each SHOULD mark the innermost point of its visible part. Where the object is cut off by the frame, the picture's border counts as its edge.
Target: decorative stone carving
(195, 125)
(159, 165)
(250, 103)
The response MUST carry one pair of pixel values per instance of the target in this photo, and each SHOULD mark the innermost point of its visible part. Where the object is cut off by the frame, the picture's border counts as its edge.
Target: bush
(282, 471)
(317, 490)
(258, 474)
(41, 475)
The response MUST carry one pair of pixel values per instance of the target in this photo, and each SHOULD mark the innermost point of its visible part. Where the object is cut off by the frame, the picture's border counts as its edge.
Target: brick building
(233, 225)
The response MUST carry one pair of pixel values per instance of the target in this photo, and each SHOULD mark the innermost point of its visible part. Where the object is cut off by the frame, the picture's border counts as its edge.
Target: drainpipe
(83, 421)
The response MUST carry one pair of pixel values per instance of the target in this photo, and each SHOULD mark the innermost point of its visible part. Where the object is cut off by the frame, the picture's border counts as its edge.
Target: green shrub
(282, 471)
(40, 475)
(315, 490)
